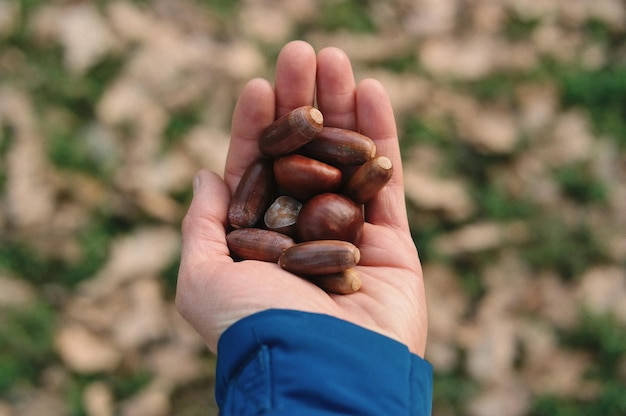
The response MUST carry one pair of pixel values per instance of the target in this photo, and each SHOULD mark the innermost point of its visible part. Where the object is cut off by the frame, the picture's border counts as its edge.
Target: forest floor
(512, 121)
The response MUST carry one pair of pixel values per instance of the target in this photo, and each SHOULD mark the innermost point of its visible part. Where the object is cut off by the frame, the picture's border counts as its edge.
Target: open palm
(214, 291)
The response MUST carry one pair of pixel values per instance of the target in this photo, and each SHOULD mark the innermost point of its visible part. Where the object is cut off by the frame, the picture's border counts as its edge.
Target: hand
(214, 291)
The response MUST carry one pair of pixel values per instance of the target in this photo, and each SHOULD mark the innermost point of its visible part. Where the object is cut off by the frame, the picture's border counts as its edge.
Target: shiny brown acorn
(258, 244)
(341, 283)
(303, 177)
(330, 216)
(252, 196)
(281, 216)
(291, 131)
(338, 146)
(369, 179)
(319, 257)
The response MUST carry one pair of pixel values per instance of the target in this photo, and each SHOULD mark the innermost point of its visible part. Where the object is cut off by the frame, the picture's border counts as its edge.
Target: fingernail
(196, 184)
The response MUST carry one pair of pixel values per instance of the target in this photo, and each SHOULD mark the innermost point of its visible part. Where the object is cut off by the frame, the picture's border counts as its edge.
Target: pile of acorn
(301, 205)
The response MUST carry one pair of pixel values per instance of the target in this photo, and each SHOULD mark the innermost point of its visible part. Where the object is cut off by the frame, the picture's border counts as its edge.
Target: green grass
(578, 184)
(224, 8)
(566, 249)
(26, 345)
(123, 385)
(602, 93)
(471, 282)
(6, 139)
(424, 233)
(495, 87)
(53, 90)
(604, 338)
(402, 64)
(497, 203)
(18, 257)
(417, 130)
(169, 276)
(599, 31)
(73, 151)
(349, 15)
(180, 123)
(21, 259)
(451, 391)
(518, 28)
(94, 241)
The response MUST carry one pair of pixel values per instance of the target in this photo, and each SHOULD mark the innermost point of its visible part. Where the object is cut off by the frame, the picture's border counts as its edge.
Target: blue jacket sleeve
(282, 362)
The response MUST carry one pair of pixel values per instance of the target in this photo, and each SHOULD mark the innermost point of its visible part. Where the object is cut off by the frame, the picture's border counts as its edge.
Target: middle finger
(336, 88)
(295, 77)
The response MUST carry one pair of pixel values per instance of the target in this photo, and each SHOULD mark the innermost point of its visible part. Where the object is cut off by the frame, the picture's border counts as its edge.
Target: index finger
(295, 76)
(336, 88)
(259, 105)
(253, 112)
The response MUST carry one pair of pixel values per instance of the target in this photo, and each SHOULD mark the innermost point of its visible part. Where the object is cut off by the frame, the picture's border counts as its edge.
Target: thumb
(204, 225)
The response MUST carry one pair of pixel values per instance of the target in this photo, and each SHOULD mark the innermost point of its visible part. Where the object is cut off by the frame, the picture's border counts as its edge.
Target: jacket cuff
(293, 362)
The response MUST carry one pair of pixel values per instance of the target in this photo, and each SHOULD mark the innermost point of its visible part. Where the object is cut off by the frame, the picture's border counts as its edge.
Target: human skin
(214, 291)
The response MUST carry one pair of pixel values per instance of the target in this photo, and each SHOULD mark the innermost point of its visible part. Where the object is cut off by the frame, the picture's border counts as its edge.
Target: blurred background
(512, 120)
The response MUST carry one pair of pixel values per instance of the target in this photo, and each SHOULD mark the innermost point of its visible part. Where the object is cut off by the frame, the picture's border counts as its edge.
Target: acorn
(341, 283)
(319, 257)
(258, 244)
(253, 195)
(303, 177)
(291, 131)
(282, 214)
(369, 179)
(330, 216)
(338, 146)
